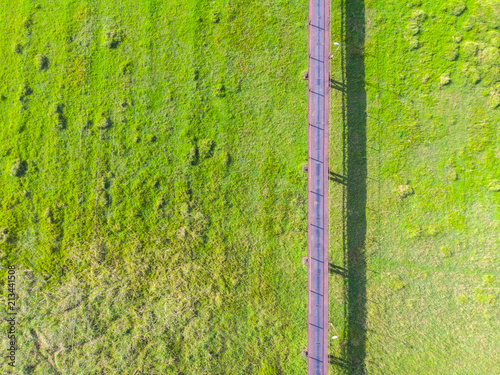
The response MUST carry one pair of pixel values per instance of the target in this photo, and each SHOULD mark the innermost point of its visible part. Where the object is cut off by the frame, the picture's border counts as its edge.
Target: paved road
(318, 188)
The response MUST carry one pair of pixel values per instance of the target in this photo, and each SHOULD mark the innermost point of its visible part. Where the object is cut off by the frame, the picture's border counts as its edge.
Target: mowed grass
(157, 209)
(433, 201)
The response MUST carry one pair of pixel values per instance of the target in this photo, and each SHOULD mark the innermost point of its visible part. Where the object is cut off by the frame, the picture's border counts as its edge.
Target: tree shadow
(355, 172)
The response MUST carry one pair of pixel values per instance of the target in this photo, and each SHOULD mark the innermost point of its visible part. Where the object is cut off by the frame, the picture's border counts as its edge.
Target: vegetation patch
(18, 168)
(456, 7)
(42, 62)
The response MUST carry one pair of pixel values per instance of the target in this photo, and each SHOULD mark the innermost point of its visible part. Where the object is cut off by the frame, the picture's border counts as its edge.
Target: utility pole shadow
(336, 85)
(335, 177)
(332, 268)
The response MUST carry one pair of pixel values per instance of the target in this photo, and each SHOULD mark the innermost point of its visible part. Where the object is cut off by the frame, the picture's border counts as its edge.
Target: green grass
(165, 234)
(155, 206)
(427, 307)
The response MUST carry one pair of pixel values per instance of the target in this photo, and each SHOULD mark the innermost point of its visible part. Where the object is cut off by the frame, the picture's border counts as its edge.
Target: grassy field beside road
(153, 202)
(421, 233)
(152, 192)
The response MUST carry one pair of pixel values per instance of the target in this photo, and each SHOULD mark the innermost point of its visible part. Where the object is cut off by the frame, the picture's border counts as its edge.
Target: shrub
(494, 101)
(452, 175)
(419, 16)
(404, 191)
(160, 203)
(490, 12)
(18, 168)
(456, 7)
(24, 91)
(414, 43)
(490, 56)
(414, 3)
(412, 28)
(469, 49)
(126, 67)
(445, 79)
(18, 48)
(494, 37)
(494, 185)
(469, 24)
(215, 17)
(445, 252)
(206, 148)
(113, 38)
(42, 62)
(471, 73)
(48, 215)
(192, 155)
(4, 235)
(60, 121)
(57, 108)
(105, 123)
(220, 90)
(451, 52)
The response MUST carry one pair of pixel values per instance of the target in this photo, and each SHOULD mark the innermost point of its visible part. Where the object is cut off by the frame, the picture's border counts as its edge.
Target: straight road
(319, 77)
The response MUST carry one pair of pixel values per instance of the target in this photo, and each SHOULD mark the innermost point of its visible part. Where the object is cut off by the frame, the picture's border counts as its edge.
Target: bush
(126, 67)
(419, 16)
(412, 28)
(18, 48)
(455, 8)
(414, 43)
(42, 62)
(57, 108)
(404, 191)
(24, 91)
(60, 121)
(18, 168)
(4, 235)
(494, 185)
(105, 123)
(490, 56)
(471, 73)
(215, 17)
(469, 50)
(113, 38)
(220, 90)
(414, 3)
(445, 79)
(206, 148)
(192, 155)
(451, 52)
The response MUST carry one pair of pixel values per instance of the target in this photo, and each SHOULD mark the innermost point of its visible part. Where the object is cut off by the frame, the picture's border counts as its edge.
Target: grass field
(153, 202)
(421, 205)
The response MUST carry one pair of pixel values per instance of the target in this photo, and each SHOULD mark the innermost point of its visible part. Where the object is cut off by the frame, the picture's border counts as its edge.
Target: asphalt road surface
(318, 76)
